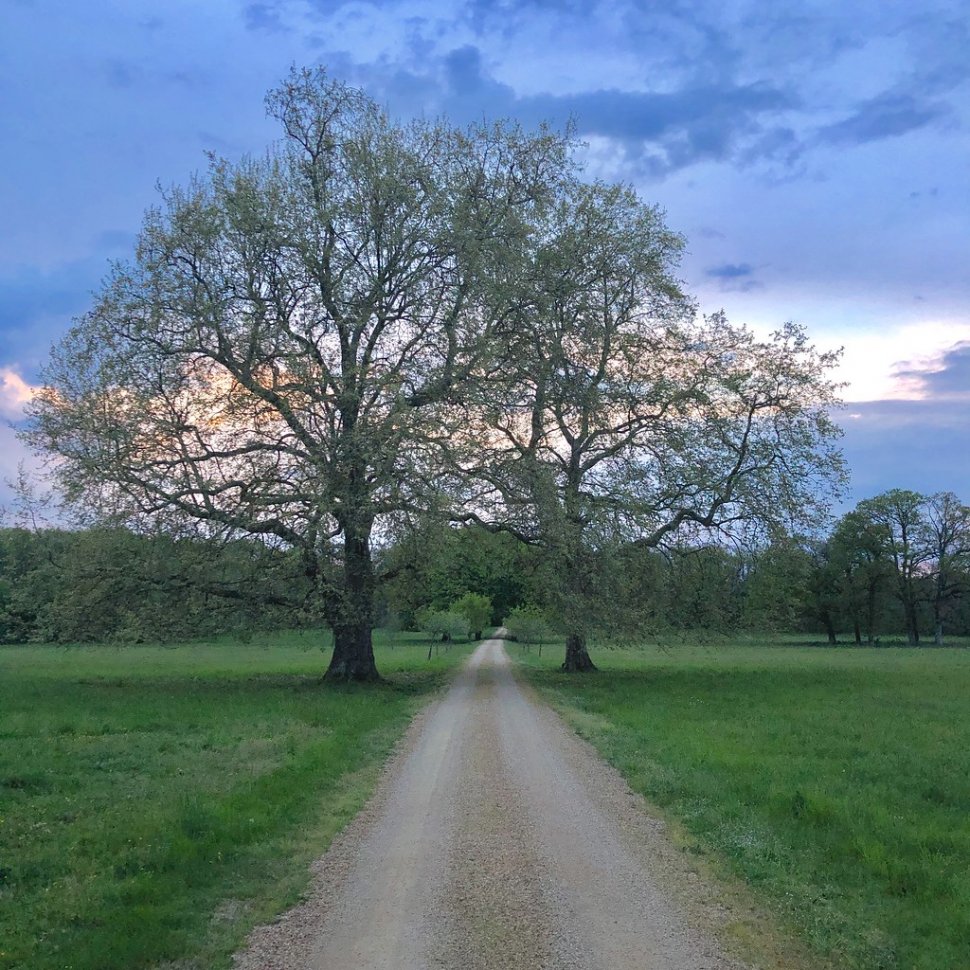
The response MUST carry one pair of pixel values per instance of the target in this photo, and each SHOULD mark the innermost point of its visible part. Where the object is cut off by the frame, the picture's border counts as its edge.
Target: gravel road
(498, 839)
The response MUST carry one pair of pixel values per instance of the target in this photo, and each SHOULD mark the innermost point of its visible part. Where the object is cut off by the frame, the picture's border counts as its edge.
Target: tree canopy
(375, 318)
(626, 416)
(275, 359)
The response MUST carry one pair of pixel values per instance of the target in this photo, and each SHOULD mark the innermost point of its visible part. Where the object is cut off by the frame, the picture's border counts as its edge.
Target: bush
(476, 609)
(527, 624)
(446, 625)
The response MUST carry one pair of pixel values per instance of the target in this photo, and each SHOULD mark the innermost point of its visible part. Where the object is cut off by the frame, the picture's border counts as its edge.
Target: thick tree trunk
(353, 646)
(857, 632)
(575, 573)
(353, 654)
(577, 657)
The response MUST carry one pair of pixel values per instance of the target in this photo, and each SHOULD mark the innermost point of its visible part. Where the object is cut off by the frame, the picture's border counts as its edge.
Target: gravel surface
(498, 839)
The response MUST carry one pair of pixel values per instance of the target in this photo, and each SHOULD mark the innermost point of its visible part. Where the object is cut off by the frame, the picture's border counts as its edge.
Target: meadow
(835, 781)
(158, 801)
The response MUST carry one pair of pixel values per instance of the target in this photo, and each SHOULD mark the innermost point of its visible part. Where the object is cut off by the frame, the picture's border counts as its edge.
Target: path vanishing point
(497, 839)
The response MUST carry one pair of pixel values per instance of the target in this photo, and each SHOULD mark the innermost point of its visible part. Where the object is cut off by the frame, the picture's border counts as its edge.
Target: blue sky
(815, 154)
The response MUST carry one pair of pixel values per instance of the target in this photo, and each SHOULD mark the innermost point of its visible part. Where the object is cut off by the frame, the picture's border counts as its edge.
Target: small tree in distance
(477, 610)
(527, 624)
(922, 545)
(858, 556)
(443, 626)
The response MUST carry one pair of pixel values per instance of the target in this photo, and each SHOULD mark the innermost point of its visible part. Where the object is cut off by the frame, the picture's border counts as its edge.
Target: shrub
(476, 609)
(446, 625)
(527, 624)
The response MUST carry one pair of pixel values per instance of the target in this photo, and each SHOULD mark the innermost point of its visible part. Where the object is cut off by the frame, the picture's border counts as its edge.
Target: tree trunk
(829, 627)
(353, 645)
(353, 654)
(912, 625)
(938, 632)
(857, 632)
(871, 613)
(577, 657)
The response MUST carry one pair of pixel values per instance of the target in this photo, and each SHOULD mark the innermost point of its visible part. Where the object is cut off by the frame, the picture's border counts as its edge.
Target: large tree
(280, 356)
(898, 518)
(948, 535)
(626, 417)
(860, 560)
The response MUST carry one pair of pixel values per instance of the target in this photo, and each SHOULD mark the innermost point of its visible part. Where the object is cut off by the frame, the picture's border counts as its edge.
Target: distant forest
(898, 564)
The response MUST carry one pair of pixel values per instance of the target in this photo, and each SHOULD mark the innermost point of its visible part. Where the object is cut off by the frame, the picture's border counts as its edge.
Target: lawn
(835, 781)
(156, 802)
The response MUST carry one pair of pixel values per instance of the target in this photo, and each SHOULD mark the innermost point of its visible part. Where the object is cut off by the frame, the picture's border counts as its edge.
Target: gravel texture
(498, 839)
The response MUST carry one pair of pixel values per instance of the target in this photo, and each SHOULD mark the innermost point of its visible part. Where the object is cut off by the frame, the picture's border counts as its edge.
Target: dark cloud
(949, 377)
(730, 271)
(735, 277)
(466, 77)
(502, 13)
(886, 116)
(659, 132)
(708, 116)
(922, 445)
(264, 17)
(663, 130)
(780, 143)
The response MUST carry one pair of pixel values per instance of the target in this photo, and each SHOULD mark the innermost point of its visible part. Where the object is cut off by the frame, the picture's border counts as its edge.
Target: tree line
(903, 548)
(114, 585)
(897, 564)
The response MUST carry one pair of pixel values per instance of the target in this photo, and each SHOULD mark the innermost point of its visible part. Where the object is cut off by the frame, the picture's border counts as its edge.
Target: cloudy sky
(816, 155)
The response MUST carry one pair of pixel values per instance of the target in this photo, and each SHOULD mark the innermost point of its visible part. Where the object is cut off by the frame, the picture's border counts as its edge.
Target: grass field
(835, 781)
(155, 802)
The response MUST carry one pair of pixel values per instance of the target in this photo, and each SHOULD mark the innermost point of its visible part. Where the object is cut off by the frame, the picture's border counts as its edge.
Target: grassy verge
(836, 782)
(156, 802)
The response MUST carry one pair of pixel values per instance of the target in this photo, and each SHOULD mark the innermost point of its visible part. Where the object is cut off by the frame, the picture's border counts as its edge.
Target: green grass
(835, 781)
(156, 802)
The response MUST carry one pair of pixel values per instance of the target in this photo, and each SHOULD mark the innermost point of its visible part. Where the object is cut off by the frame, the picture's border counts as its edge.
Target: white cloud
(15, 392)
(873, 361)
(15, 455)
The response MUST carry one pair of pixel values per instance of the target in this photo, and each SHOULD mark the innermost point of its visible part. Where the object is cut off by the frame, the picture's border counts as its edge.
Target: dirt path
(497, 839)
